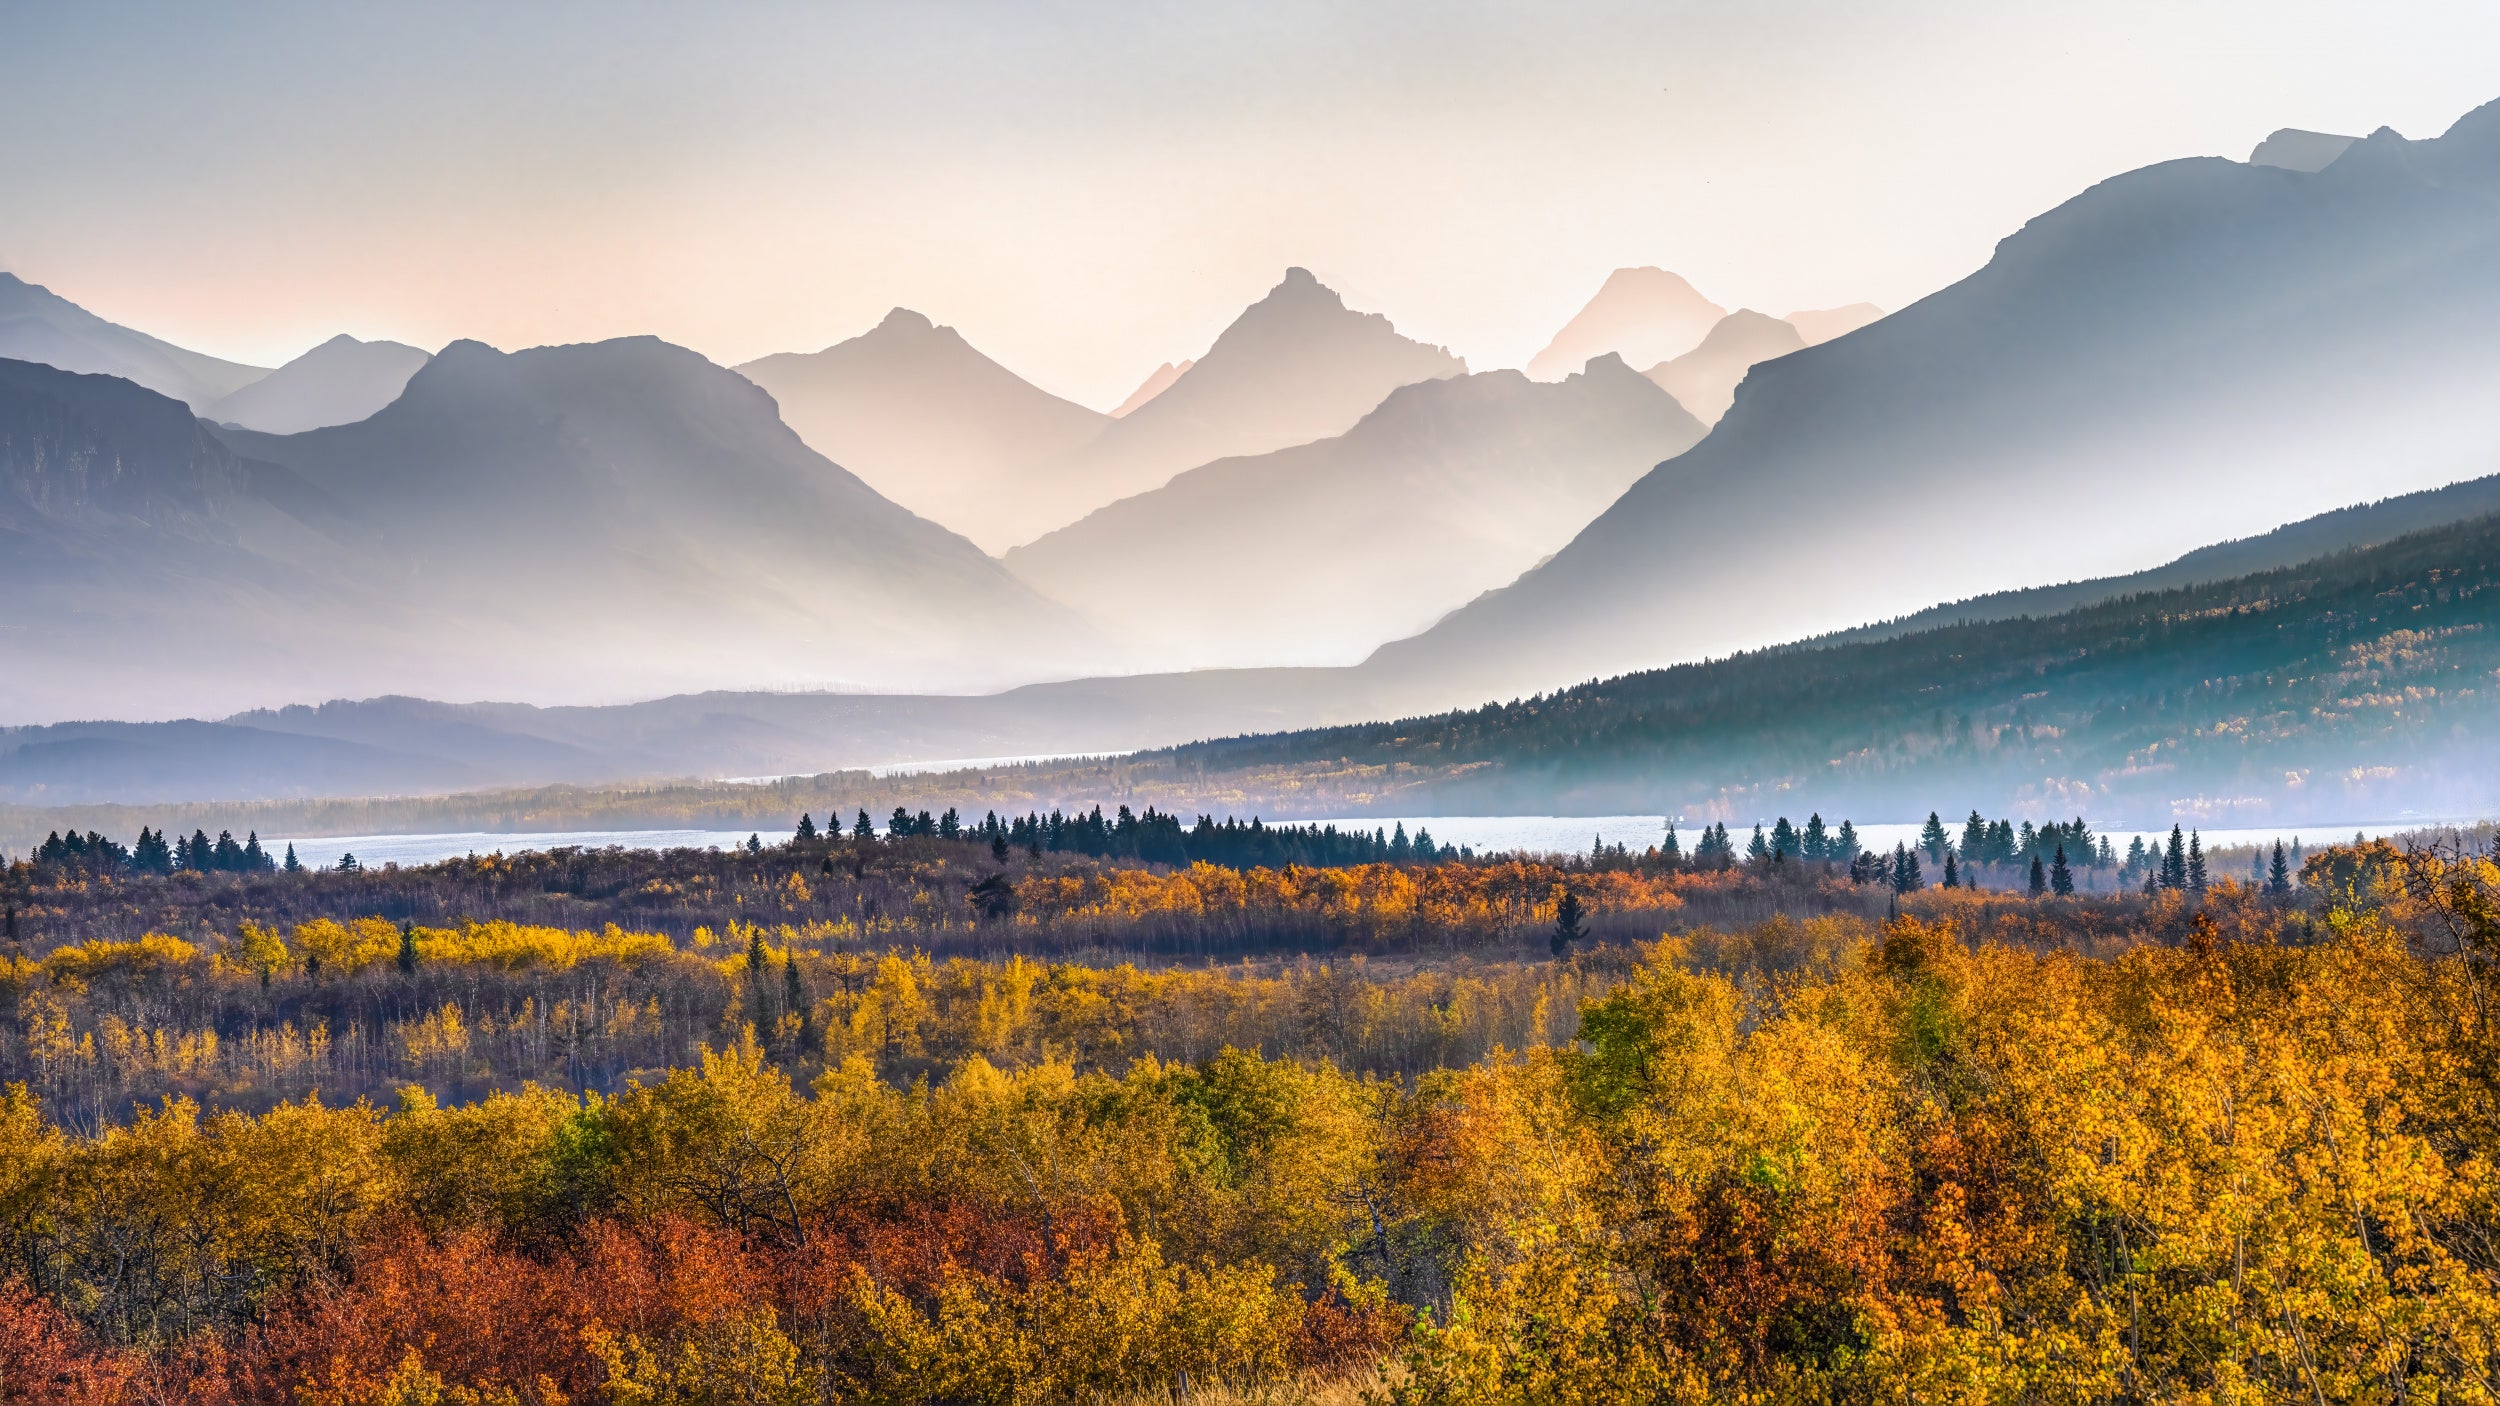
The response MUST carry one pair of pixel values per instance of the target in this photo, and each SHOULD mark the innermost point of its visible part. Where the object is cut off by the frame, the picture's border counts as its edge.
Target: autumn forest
(1596, 1129)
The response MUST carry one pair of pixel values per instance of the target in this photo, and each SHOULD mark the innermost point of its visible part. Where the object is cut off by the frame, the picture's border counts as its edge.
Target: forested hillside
(2354, 685)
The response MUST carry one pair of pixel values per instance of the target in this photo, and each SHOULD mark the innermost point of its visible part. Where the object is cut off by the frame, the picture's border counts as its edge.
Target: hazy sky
(1089, 189)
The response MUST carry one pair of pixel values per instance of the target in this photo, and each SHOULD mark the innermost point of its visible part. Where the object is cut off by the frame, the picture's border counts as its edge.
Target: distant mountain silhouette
(39, 325)
(2296, 150)
(1820, 325)
(1314, 554)
(341, 381)
(623, 516)
(2182, 354)
(1644, 315)
(1154, 385)
(928, 421)
(1704, 379)
(1298, 365)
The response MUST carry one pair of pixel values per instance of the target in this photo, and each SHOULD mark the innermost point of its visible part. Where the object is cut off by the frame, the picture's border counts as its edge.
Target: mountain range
(1704, 379)
(1644, 315)
(2182, 354)
(927, 420)
(1314, 554)
(615, 516)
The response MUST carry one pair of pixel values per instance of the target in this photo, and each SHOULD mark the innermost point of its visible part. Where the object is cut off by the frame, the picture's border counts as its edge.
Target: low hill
(2355, 686)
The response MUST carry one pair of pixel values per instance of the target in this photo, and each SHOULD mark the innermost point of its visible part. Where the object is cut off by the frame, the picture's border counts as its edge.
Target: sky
(1087, 190)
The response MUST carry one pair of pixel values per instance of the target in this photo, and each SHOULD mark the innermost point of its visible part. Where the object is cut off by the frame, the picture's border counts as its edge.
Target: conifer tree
(806, 830)
(1567, 926)
(254, 859)
(1905, 875)
(1401, 849)
(2039, 877)
(1673, 850)
(1952, 874)
(998, 846)
(293, 865)
(407, 949)
(2174, 865)
(1931, 838)
(1974, 839)
(1845, 845)
(2279, 878)
(1815, 842)
(793, 991)
(1783, 839)
(2136, 861)
(2195, 865)
(2061, 879)
(1760, 848)
(861, 829)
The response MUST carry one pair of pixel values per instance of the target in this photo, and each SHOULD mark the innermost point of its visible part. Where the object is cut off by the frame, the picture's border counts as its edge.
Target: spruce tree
(2039, 878)
(407, 949)
(2195, 865)
(2061, 880)
(2136, 861)
(1952, 875)
(1931, 838)
(1815, 842)
(1783, 839)
(1845, 845)
(2174, 865)
(2279, 878)
(806, 830)
(1974, 839)
(1760, 848)
(293, 865)
(1567, 926)
(1673, 850)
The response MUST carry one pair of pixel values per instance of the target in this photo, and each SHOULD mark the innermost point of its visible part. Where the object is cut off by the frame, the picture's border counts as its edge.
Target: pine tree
(2136, 860)
(1567, 925)
(1905, 875)
(1815, 842)
(861, 829)
(2174, 865)
(793, 992)
(1673, 850)
(756, 955)
(1783, 839)
(998, 846)
(1845, 845)
(1974, 839)
(1402, 849)
(407, 949)
(293, 865)
(2195, 865)
(254, 858)
(755, 844)
(1760, 848)
(1952, 875)
(2061, 879)
(806, 830)
(2039, 878)
(2279, 878)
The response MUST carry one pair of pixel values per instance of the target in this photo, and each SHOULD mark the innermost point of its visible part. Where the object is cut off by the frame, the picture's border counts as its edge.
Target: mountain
(1296, 366)
(39, 325)
(1644, 315)
(1154, 385)
(341, 381)
(2183, 354)
(2349, 687)
(931, 423)
(1317, 553)
(1704, 379)
(2296, 150)
(623, 517)
(1820, 325)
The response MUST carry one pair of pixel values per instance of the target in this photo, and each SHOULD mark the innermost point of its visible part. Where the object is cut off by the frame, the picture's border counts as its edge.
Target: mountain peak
(1646, 313)
(2293, 149)
(904, 320)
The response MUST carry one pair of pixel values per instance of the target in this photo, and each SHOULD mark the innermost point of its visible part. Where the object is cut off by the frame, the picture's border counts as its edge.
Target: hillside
(39, 325)
(2184, 354)
(339, 382)
(2353, 686)
(1450, 488)
(925, 419)
(1296, 366)
(1704, 380)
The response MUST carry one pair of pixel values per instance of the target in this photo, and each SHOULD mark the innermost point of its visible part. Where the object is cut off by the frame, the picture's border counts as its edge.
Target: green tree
(2061, 880)
(1567, 926)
